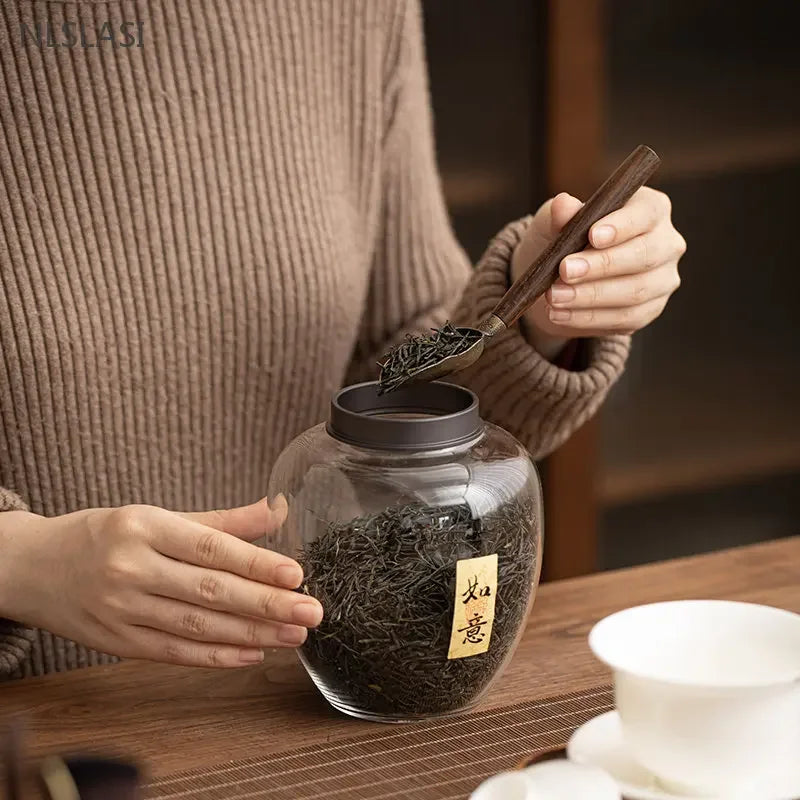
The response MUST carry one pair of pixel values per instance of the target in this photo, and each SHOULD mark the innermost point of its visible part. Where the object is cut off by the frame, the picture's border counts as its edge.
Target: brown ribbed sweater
(206, 233)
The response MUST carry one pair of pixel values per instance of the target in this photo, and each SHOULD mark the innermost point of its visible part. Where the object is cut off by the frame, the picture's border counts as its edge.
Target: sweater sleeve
(421, 276)
(15, 640)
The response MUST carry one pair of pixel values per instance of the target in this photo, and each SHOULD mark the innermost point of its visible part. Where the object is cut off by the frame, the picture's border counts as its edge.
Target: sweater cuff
(16, 640)
(537, 401)
(16, 643)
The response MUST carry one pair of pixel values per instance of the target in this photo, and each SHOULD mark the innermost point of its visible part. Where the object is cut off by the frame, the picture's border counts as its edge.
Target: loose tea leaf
(416, 353)
(387, 583)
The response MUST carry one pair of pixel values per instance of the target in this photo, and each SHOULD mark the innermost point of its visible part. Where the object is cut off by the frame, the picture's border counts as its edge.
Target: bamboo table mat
(438, 760)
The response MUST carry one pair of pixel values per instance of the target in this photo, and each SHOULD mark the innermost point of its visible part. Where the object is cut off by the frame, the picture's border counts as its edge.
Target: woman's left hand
(619, 284)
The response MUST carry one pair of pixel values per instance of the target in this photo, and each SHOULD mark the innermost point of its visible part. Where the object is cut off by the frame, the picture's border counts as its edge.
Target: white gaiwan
(708, 691)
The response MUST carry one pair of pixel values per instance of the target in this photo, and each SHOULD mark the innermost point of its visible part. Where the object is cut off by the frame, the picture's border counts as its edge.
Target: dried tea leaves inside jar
(387, 583)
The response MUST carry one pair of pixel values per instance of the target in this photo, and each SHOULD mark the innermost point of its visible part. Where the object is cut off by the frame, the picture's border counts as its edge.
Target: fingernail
(575, 268)
(559, 315)
(309, 615)
(603, 235)
(251, 656)
(289, 575)
(562, 294)
(292, 634)
(279, 508)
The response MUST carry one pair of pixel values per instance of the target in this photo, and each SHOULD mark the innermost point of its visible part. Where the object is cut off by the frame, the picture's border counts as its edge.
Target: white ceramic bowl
(504, 786)
(551, 780)
(563, 780)
(708, 691)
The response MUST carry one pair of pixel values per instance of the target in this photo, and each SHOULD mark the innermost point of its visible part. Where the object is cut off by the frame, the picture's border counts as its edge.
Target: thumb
(245, 522)
(554, 215)
(562, 209)
(544, 227)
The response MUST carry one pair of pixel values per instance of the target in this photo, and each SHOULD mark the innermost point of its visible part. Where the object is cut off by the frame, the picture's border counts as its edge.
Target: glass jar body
(380, 535)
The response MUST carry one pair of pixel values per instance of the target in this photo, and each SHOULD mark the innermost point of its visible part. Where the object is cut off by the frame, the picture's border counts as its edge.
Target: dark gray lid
(418, 416)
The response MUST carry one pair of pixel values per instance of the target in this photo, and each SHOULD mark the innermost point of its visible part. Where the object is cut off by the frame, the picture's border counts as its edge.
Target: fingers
(619, 284)
(204, 546)
(206, 625)
(607, 321)
(156, 645)
(246, 522)
(222, 591)
(640, 214)
(627, 290)
(637, 255)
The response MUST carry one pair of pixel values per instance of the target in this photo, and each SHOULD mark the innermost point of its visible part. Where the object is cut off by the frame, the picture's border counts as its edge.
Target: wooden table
(176, 719)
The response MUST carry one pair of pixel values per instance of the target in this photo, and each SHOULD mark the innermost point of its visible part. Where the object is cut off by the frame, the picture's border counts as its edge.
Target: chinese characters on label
(472, 633)
(476, 587)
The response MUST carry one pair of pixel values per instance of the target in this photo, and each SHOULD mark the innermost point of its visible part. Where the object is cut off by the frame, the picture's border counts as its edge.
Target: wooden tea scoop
(629, 176)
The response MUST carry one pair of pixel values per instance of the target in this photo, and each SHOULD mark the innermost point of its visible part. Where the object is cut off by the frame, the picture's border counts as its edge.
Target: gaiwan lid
(418, 416)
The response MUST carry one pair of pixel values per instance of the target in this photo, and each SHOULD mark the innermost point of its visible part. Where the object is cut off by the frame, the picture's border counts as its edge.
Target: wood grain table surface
(174, 719)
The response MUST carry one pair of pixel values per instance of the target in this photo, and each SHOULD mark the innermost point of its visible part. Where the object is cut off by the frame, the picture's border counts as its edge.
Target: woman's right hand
(142, 582)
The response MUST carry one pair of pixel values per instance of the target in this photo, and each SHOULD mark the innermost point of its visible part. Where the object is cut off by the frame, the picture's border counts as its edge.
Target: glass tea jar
(419, 529)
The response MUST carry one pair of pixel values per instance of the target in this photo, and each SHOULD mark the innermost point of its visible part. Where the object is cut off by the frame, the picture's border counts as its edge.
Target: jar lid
(418, 416)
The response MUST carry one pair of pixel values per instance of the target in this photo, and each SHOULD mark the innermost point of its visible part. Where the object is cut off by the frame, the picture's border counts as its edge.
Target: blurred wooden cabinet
(699, 445)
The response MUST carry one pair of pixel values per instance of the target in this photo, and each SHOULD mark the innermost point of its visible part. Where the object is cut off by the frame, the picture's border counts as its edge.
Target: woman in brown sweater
(203, 233)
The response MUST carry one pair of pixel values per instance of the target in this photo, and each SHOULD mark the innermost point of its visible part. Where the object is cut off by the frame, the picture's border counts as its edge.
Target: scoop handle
(618, 188)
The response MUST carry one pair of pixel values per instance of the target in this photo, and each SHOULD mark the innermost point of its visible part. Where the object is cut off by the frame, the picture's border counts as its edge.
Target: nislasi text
(79, 34)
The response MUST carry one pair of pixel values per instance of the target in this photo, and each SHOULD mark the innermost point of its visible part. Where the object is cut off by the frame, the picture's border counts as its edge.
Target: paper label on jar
(476, 590)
